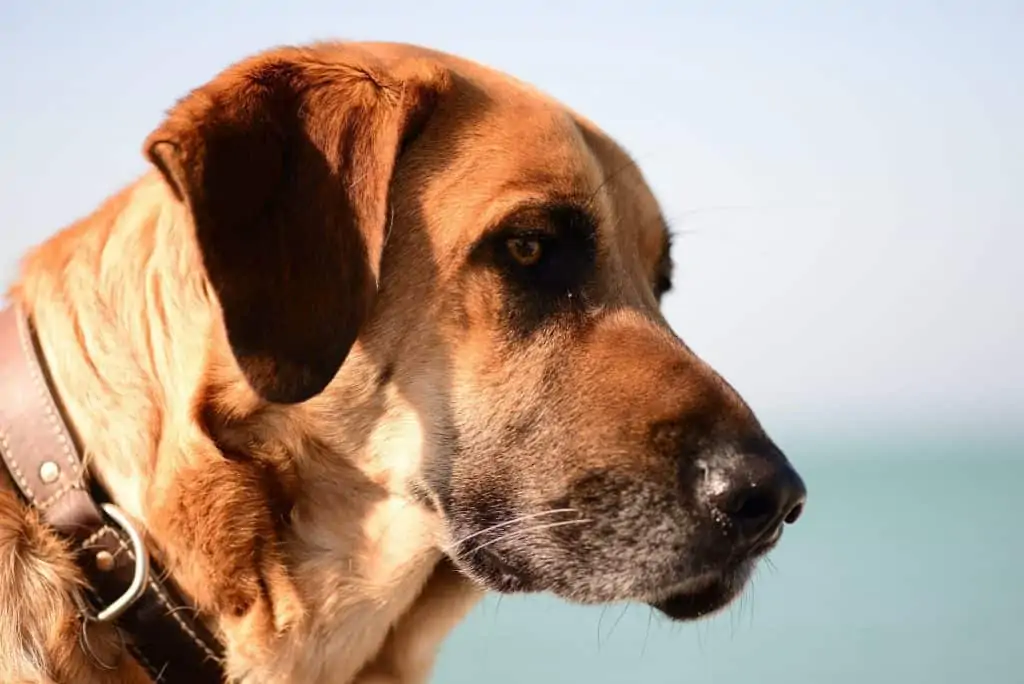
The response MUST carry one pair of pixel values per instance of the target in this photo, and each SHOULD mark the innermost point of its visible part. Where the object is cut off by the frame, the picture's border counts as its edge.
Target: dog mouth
(706, 595)
(714, 591)
(696, 597)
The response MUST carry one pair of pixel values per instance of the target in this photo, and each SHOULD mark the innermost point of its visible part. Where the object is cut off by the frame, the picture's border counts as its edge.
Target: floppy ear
(285, 162)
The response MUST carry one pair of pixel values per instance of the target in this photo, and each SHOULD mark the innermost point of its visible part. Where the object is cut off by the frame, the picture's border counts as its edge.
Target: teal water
(908, 567)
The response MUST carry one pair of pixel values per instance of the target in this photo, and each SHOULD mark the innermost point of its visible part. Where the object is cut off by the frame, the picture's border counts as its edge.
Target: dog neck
(132, 337)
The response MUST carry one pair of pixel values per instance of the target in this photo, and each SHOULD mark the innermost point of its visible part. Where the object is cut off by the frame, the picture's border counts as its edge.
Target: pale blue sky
(852, 172)
(853, 177)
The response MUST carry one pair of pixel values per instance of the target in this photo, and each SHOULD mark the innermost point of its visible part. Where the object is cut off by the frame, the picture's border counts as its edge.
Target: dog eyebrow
(542, 212)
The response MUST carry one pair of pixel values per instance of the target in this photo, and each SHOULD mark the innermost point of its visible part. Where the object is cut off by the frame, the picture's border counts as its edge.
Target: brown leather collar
(124, 586)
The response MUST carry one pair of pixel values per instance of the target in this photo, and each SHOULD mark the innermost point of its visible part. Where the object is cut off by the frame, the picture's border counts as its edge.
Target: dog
(378, 331)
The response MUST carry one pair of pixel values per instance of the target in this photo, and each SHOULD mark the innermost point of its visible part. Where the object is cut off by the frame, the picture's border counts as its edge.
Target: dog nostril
(794, 513)
(751, 505)
(755, 493)
(758, 506)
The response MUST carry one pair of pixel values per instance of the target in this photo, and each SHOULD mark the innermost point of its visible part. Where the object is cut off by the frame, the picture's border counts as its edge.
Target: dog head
(441, 251)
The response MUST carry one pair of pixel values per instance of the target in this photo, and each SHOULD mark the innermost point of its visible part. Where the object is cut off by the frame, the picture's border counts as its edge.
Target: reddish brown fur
(246, 268)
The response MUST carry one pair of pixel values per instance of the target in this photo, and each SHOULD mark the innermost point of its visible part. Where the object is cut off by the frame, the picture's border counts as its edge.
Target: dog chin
(705, 596)
(689, 600)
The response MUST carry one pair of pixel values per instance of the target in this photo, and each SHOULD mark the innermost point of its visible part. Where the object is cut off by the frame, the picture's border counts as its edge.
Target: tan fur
(294, 526)
(362, 552)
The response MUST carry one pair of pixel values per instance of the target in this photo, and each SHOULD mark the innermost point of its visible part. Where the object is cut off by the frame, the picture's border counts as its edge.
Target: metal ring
(83, 641)
(138, 585)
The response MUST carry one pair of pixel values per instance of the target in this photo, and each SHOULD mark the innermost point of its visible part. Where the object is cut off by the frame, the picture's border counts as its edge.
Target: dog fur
(297, 352)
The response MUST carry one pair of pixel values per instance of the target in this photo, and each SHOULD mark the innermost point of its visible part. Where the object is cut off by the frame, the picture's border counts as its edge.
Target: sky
(847, 178)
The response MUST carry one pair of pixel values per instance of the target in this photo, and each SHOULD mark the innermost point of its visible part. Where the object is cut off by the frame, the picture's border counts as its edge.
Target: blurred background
(848, 182)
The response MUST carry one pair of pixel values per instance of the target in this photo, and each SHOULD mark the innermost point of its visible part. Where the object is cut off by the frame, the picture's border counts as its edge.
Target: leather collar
(124, 586)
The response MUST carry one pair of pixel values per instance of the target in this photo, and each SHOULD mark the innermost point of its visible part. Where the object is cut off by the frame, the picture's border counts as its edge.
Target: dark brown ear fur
(285, 162)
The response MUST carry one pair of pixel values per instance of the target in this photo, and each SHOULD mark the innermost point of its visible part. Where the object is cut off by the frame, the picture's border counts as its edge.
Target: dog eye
(544, 253)
(526, 251)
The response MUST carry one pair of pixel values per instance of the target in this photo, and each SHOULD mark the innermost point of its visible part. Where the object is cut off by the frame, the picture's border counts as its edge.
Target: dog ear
(285, 162)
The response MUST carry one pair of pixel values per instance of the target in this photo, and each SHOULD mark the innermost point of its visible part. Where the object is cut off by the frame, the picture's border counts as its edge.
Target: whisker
(647, 632)
(600, 619)
(736, 607)
(497, 604)
(617, 621)
(753, 584)
(517, 534)
(629, 164)
(455, 544)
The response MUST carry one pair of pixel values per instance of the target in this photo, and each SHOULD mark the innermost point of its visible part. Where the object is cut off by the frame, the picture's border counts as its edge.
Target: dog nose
(757, 493)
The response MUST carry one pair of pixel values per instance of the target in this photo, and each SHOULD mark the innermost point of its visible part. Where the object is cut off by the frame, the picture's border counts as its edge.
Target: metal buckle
(141, 576)
(125, 600)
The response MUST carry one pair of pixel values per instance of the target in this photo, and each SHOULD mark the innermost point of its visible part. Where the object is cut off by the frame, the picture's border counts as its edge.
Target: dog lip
(766, 543)
(706, 595)
(709, 592)
(493, 571)
(695, 603)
